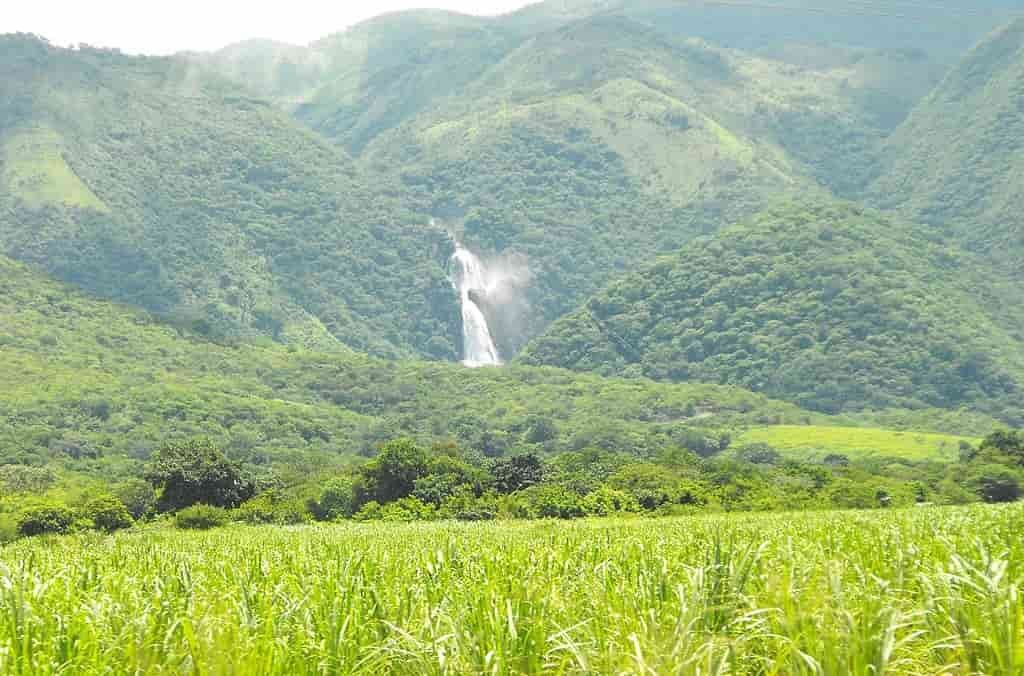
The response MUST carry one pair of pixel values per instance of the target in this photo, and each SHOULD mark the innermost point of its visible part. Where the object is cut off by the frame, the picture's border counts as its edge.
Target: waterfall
(468, 277)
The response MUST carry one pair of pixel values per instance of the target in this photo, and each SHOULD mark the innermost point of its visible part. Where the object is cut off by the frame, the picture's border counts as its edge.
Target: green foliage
(202, 517)
(137, 496)
(108, 514)
(196, 471)
(393, 473)
(516, 473)
(607, 501)
(272, 508)
(824, 305)
(996, 482)
(337, 500)
(45, 519)
(955, 163)
(267, 229)
(551, 501)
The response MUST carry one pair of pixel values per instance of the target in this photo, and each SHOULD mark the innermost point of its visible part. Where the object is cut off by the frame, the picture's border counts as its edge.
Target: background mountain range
(813, 206)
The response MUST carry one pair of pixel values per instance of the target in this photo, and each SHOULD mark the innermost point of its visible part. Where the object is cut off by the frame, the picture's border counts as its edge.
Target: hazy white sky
(166, 26)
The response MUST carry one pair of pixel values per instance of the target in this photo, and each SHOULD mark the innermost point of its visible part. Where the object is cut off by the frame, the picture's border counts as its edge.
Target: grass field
(921, 591)
(804, 442)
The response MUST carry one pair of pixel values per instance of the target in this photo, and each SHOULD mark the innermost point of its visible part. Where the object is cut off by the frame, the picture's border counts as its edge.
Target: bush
(196, 472)
(996, 483)
(45, 519)
(606, 501)
(137, 496)
(554, 502)
(271, 508)
(201, 517)
(405, 509)
(109, 514)
(337, 500)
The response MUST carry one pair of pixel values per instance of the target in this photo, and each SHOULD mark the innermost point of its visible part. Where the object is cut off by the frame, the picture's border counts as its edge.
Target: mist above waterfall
(491, 294)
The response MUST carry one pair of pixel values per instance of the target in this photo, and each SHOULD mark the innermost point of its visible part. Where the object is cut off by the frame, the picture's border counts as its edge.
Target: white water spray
(468, 278)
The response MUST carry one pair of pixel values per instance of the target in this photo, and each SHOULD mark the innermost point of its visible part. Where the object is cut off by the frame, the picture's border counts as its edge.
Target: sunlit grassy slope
(814, 442)
(34, 169)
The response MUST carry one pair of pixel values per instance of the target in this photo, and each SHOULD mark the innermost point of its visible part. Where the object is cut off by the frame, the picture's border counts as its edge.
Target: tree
(194, 472)
(393, 473)
(518, 472)
(137, 496)
(108, 514)
(337, 500)
(44, 519)
(1008, 443)
(758, 454)
(996, 483)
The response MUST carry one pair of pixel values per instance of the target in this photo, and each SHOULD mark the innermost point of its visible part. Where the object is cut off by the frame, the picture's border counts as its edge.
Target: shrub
(996, 483)
(137, 496)
(107, 513)
(44, 519)
(337, 500)
(476, 514)
(605, 501)
(554, 502)
(371, 511)
(271, 508)
(201, 517)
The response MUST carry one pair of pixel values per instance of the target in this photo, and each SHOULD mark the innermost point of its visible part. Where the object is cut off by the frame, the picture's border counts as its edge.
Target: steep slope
(594, 146)
(146, 181)
(958, 160)
(827, 306)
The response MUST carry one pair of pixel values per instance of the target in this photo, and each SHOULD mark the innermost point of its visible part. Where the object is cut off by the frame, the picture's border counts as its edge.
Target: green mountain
(958, 161)
(827, 306)
(585, 136)
(594, 146)
(148, 181)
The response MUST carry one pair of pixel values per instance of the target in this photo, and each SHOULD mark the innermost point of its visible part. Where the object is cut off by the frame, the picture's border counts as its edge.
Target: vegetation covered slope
(146, 181)
(353, 85)
(592, 147)
(96, 387)
(827, 306)
(585, 136)
(958, 160)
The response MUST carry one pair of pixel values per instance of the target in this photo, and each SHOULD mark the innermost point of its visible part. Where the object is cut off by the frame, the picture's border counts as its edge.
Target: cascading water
(468, 278)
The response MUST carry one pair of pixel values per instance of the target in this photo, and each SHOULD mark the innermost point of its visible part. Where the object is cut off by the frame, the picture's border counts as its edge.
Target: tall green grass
(921, 591)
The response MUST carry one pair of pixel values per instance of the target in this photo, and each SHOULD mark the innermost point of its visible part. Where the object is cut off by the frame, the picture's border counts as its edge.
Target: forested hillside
(957, 163)
(96, 386)
(146, 181)
(828, 306)
(588, 137)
